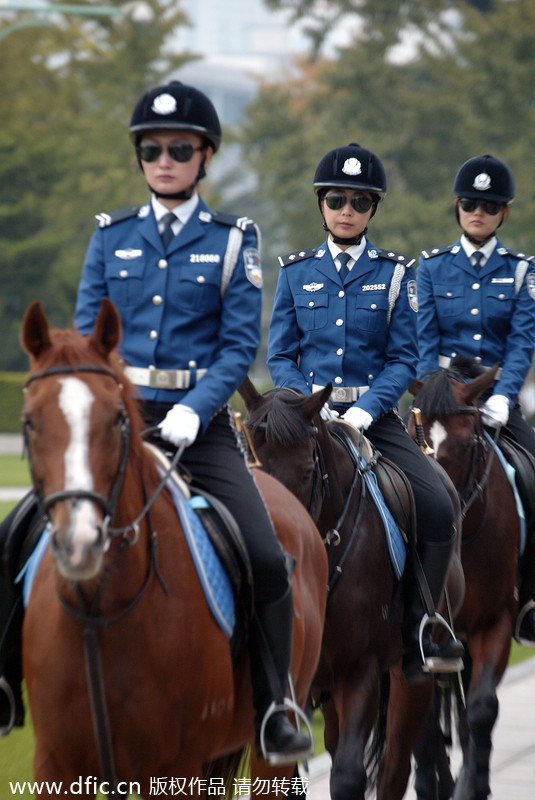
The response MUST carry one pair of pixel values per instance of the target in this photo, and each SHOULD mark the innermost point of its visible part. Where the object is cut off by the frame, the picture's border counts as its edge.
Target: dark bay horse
(362, 638)
(129, 676)
(490, 541)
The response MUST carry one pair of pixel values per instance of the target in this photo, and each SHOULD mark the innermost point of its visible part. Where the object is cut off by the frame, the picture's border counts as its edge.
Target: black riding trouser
(217, 463)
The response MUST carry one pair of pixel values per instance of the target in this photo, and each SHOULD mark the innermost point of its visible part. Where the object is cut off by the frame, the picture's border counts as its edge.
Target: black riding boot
(446, 657)
(270, 644)
(525, 621)
(18, 534)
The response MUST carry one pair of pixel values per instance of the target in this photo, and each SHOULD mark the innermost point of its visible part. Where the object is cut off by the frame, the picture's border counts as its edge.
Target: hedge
(11, 384)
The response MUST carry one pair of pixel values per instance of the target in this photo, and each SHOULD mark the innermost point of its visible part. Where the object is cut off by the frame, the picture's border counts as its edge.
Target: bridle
(109, 504)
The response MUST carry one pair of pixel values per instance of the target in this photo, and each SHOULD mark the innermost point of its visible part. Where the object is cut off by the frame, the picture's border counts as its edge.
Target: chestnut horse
(490, 542)
(129, 677)
(362, 638)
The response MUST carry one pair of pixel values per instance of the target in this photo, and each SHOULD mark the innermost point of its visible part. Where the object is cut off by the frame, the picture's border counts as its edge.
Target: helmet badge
(352, 166)
(482, 182)
(164, 104)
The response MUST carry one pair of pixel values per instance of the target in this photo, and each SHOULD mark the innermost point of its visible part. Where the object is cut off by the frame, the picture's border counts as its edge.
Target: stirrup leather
(435, 663)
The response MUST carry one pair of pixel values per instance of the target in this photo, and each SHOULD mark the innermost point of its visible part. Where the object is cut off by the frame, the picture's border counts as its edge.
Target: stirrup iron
(275, 759)
(432, 664)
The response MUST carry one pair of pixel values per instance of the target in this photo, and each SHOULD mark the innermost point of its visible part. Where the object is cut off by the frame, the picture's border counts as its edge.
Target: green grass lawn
(14, 471)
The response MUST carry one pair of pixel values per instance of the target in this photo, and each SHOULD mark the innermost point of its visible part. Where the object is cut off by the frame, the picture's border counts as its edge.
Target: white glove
(495, 411)
(180, 426)
(358, 418)
(328, 413)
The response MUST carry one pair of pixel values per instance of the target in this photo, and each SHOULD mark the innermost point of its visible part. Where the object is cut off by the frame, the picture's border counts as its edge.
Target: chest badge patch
(530, 284)
(313, 287)
(412, 295)
(128, 254)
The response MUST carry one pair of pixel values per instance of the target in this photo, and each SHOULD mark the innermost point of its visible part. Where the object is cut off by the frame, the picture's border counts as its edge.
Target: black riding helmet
(350, 167)
(484, 178)
(176, 106)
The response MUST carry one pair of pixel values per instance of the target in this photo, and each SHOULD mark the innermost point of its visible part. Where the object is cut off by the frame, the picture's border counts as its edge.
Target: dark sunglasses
(491, 207)
(180, 151)
(337, 200)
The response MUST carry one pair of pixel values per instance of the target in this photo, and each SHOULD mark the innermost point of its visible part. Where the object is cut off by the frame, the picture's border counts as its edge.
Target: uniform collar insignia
(320, 253)
(205, 216)
(455, 248)
(372, 254)
(144, 211)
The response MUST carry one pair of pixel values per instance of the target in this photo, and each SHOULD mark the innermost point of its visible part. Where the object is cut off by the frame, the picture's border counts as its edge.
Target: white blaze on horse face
(438, 435)
(75, 400)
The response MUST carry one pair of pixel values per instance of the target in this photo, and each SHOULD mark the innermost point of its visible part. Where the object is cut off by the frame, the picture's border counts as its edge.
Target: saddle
(391, 480)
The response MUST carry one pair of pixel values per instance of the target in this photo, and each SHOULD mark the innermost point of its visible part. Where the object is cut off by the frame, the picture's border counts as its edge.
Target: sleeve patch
(253, 268)
(412, 295)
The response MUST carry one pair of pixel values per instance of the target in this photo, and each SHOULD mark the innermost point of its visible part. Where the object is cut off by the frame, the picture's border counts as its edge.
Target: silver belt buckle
(167, 379)
(344, 394)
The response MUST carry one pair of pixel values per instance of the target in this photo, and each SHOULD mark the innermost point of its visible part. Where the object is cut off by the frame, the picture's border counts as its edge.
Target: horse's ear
(35, 333)
(473, 389)
(315, 402)
(106, 334)
(415, 387)
(249, 393)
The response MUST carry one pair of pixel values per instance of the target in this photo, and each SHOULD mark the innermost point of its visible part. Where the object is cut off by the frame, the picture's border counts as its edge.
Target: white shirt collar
(183, 211)
(355, 251)
(486, 249)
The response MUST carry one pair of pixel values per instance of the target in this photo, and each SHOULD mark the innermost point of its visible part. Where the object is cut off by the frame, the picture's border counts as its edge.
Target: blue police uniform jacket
(481, 313)
(361, 333)
(170, 303)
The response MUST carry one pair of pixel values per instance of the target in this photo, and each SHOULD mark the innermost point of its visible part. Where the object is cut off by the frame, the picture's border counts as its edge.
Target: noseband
(109, 504)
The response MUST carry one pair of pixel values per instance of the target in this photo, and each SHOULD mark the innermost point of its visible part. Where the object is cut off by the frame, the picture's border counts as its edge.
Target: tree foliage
(68, 90)
(465, 88)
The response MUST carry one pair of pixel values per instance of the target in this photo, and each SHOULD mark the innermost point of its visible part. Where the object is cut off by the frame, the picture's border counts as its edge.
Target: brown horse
(490, 540)
(362, 638)
(130, 678)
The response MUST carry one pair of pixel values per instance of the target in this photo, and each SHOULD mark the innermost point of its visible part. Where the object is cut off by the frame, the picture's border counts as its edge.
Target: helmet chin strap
(185, 194)
(349, 240)
(478, 242)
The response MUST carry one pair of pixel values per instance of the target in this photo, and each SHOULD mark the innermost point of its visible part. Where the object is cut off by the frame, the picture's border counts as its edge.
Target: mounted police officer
(346, 312)
(187, 284)
(477, 299)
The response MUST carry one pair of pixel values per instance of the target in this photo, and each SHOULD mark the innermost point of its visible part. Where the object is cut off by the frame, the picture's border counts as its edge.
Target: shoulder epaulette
(506, 251)
(104, 219)
(232, 220)
(437, 251)
(397, 257)
(299, 255)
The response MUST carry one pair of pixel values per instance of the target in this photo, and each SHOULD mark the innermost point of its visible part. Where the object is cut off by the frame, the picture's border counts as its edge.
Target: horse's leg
(433, 779)
(408, 708)
(356, 701)
(482, 711)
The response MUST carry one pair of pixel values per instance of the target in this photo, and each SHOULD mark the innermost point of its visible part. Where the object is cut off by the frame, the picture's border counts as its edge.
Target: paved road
(513, 757)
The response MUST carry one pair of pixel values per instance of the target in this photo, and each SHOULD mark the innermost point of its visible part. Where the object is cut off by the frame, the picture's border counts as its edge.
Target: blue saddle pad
(394, 537)
(214, 579)
(511, 477)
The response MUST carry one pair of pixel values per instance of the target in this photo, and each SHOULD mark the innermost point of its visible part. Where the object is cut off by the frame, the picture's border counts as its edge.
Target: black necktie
(343, 258)
(476, 259)
(167, 231)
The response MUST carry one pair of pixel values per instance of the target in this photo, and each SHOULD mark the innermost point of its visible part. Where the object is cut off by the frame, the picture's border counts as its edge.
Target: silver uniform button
(475, 286)
(501, 296)
(474, 312)
(341, 293)
(192, 364)
(478, 359)
(153, 335)
(123, 273)
(157, 300)
(449, 294)
(201, 279)
(476, 337)
(162, 263)
(338, 380)
(373, 305)
(339, 322)
(339, 352)
(311, 303)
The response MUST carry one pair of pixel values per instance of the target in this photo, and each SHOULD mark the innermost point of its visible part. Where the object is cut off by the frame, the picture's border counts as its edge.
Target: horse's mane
(279, 416)
(70, 348)
(436, 398)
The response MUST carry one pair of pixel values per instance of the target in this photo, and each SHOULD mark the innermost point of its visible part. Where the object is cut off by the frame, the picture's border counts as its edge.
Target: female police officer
(359, 331)
(186, 281)
(477, 299)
